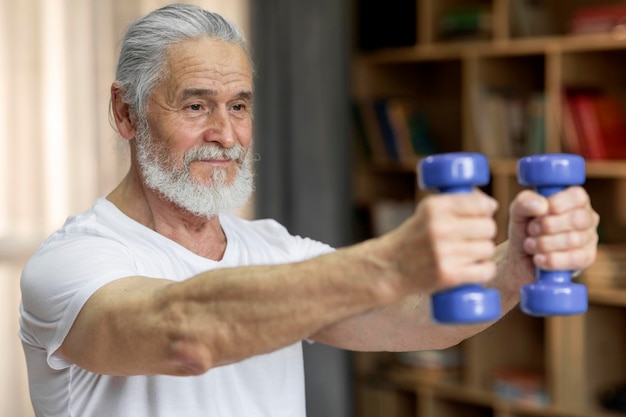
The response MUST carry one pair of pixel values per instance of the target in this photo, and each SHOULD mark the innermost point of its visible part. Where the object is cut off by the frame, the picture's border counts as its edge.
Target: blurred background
(494, 76)
(58, 151)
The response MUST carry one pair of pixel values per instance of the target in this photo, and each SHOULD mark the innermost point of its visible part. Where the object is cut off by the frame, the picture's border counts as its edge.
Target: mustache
(236, 153)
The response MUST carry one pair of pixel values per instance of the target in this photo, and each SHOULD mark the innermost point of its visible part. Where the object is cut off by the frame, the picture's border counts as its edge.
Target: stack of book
(530, 18)
(468, 23)
(508, 124)
(522, 387)
(593, 125)
(393, 129)
(598, 18)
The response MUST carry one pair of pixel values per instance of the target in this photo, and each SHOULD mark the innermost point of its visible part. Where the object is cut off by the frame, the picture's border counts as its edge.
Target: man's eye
(195, 107)
(239, 107)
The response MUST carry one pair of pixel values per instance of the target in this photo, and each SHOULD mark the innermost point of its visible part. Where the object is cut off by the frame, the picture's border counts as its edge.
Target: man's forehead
(208, 92)
(207, 66)
(212, 53)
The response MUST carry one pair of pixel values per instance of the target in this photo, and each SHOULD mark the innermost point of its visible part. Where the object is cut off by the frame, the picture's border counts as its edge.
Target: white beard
(175, 183)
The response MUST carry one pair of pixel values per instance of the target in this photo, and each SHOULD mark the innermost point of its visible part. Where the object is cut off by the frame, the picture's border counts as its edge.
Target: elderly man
(158, 302)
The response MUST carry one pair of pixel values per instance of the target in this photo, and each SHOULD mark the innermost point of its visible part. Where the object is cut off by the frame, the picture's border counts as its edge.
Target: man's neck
(201, 235)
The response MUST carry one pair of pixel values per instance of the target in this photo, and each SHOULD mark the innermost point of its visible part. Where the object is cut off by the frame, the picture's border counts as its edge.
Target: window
(57, 148)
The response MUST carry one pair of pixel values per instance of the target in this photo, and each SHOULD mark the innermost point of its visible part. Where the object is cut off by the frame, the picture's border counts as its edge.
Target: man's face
(193, 145)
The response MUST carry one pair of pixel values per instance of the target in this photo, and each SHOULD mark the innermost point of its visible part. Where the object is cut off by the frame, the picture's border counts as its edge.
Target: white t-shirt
(103, 244)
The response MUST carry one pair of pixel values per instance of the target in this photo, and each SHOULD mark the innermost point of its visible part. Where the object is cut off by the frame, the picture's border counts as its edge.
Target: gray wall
(300, 50)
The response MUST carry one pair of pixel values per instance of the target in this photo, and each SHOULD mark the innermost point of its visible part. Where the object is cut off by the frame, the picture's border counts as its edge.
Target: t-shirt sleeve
(310, 248)
(57, 282)
(299, 248)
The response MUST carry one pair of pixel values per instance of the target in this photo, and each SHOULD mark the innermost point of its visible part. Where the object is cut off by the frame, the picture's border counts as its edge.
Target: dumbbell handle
(546, 275)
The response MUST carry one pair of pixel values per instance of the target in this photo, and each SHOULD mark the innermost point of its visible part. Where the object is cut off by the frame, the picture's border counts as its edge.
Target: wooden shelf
(410, 380)
(607, 296)
(579, 356)
(508, 167)
(507, 47)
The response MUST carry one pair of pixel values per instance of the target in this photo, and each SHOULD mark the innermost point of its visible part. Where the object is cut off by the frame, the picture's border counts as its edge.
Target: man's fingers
(476, 203)
(464, 229)
(568, 199)
(576, 219)
(560, 242)
(573, 259)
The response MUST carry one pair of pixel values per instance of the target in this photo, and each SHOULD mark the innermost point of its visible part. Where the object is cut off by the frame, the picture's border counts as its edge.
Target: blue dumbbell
(553, 292)
(459, 172)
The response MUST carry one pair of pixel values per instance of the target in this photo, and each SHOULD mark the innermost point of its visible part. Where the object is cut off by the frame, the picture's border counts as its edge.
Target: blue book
(380, 108)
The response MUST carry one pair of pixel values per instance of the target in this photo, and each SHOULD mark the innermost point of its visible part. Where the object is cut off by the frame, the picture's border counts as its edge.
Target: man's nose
(220, 128)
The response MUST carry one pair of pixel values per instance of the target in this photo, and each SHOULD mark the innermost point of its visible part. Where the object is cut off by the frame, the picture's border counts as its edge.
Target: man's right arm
(139, 325)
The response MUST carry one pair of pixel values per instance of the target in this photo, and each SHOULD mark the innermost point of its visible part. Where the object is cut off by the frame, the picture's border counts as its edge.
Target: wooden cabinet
(577, 358)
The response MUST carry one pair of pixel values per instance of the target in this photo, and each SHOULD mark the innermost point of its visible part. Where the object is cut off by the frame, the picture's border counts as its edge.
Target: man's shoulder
(95, 226)
(267, 225)
(269, 233)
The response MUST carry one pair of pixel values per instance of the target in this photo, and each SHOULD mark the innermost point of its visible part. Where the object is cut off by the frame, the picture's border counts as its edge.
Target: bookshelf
(522, 50)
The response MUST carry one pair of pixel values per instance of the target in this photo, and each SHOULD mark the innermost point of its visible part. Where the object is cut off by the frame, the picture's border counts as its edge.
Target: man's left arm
(555, 233)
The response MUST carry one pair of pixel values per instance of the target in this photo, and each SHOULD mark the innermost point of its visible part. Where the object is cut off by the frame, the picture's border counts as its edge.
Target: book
(411, 129)
(529, 18)
(506, 124)
(516, 119)
(388, 134)
(602, 18)
(497, 110)
(588, 125)
(483, 132)
(610, 113)
(521, 386)
(594, 125)
(392, 129)
(422, 137)
(570, 139)
(535, 142)
(466, 23)
(398, 115)
(372, 133)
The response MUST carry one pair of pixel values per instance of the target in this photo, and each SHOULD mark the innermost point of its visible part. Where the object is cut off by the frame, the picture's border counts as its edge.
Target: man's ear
(124, 121)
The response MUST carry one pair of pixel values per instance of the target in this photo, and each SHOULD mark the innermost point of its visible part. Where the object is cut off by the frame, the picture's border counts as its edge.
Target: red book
(588, 125)
(570, 138)
(610, 113)
(598, 18)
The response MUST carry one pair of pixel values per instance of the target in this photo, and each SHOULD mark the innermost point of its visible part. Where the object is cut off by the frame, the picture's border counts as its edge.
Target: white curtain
(57, 148)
